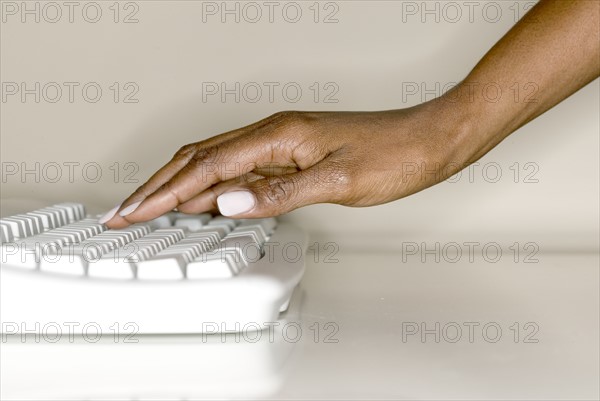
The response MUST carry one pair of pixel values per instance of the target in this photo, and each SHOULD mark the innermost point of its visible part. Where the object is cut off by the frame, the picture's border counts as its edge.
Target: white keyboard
(176, 274)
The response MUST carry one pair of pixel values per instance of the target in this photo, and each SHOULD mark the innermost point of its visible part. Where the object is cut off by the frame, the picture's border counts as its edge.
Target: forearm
(550, 54)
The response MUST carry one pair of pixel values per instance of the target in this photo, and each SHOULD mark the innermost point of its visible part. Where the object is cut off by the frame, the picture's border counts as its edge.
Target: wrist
(470, 123)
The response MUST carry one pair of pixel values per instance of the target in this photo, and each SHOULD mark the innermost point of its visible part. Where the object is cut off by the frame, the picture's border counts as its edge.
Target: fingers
(205, 169)
(114, 217)
(207, 200)
(180, 160)
(195, 169)
(274, 195)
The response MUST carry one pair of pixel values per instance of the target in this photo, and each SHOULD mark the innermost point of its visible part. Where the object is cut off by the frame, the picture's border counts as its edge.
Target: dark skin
(293, 159)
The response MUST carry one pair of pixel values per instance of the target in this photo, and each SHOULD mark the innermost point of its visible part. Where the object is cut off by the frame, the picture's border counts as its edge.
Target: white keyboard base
(32, 300)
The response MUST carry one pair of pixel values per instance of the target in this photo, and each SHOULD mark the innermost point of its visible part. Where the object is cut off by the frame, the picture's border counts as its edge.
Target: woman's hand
(294, 159)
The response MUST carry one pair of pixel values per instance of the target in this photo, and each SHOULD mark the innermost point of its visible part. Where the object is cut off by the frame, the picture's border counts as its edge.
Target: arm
(551, 53)
(293, 159)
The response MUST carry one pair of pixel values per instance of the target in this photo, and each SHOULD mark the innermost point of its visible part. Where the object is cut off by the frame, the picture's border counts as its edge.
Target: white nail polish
(109, 215)
(130, 209)
(236, 202)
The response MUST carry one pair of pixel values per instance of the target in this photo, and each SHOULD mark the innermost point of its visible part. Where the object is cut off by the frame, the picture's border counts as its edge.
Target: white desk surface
(373, 299)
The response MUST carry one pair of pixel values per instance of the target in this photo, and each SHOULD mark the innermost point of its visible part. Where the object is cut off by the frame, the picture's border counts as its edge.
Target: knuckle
(204, 156)
(140, 191)
(203, 163)
(285, 115)
(185, 208)
(198, 169)
(185, 151)
(278, 190)
(291, 120)
(168, 187)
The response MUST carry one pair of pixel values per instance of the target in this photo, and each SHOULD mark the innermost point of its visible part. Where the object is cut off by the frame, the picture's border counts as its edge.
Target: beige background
(369, 53)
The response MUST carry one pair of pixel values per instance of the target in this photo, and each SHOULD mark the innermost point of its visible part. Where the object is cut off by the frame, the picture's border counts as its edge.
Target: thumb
(276, 195)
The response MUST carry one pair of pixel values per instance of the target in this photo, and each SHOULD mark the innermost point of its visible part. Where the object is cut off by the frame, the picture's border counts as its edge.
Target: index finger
(227, 161)
(165, 173)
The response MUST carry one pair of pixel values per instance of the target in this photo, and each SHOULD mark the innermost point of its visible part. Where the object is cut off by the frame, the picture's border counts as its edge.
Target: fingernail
(109, 215)
(130, 209)
(236, 202)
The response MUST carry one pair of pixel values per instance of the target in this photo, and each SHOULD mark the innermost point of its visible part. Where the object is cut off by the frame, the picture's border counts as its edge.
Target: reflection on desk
(59, 366)
(374, 326)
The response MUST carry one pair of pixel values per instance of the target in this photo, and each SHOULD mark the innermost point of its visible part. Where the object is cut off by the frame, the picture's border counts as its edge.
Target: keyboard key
(245, 247)
(230, 224)
(6, 234)
(33, 224)
(179, 255)
(219, 231)
(19, 226)
(74, 211)
(228, 258)
(214, 266)
(255, 230)
(191, 224)
(60, 213)
(268, 224)
(49, 219)
(77, 208)
(203, 217)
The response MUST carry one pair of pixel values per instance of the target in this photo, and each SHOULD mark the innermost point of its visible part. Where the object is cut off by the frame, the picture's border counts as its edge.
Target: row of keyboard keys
(100, 251)
(36, 222)
(226, 260)
(162, 254)
(167, 254)
(70, 234)
(109, 240)
(6, 232)
(173, 246)
(155, 242)
(22, 226)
